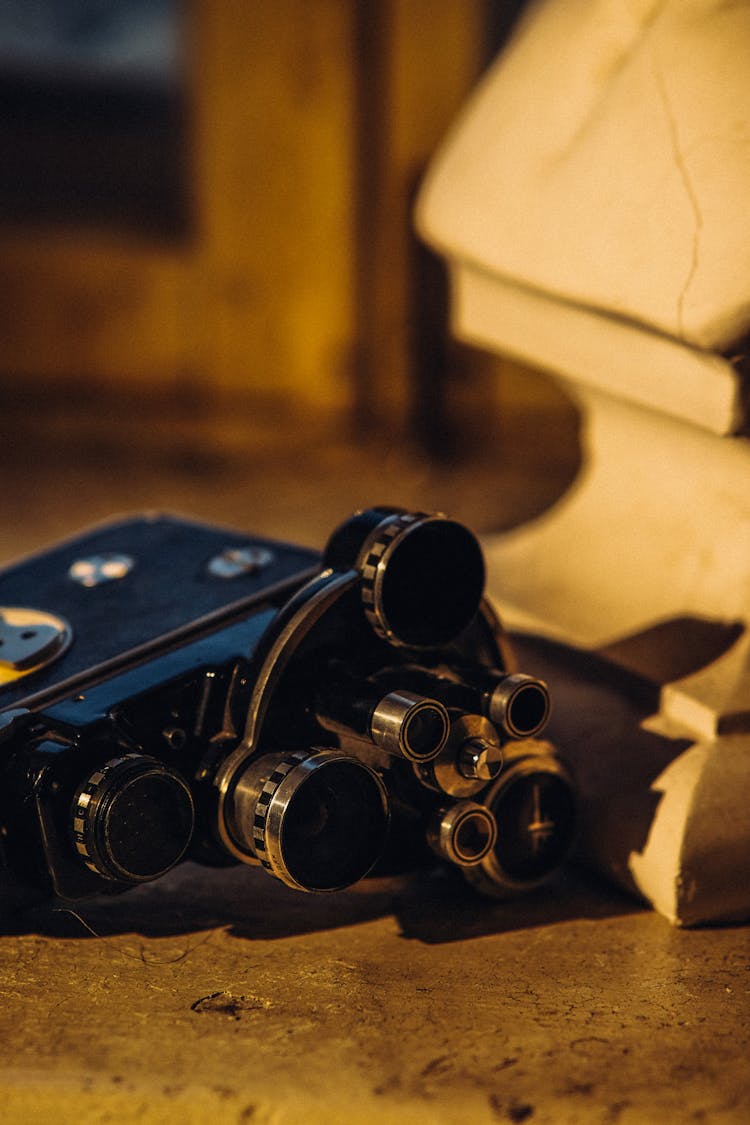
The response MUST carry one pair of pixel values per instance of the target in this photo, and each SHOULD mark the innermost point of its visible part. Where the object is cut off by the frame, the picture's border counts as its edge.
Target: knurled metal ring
(263, 804)
(372, 562)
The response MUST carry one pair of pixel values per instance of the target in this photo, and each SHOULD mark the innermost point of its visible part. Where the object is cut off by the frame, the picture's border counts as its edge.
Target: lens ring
(422, 579)
(464, 833)
(425, 730)
(320, 820)
(520, 704)
(132, 819)
(410, 726)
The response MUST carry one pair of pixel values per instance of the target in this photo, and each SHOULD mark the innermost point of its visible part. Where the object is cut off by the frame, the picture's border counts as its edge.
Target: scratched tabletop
(223, 996)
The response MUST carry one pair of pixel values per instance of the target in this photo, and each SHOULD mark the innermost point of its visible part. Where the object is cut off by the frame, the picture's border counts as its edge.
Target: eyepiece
(520, 705)
(464, 833)
(317, 821)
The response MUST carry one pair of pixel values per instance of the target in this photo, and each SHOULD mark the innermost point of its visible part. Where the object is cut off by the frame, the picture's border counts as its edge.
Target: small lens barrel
(519, 704)
(402, 723)
(317, 821)
(464, 833)
(410, 726)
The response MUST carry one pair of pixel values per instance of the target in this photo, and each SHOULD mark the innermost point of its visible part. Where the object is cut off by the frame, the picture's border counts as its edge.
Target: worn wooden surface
(222, 995)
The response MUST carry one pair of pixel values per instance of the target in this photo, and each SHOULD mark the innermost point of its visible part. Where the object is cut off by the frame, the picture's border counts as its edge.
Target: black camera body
(172, 690)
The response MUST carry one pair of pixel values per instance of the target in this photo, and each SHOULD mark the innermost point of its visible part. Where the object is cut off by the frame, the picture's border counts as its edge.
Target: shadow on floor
(433, 907)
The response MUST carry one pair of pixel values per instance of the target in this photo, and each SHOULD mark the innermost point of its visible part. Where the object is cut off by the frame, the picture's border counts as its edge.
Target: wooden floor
(220, 996)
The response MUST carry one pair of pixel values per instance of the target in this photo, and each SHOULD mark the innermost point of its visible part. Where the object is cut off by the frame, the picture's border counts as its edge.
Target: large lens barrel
(422, 576)
(317, 821)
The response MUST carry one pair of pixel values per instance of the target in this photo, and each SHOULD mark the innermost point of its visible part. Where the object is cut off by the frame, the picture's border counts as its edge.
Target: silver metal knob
(480, 759)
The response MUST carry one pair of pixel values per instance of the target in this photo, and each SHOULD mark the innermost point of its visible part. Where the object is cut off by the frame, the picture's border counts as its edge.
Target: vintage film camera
(171, 690)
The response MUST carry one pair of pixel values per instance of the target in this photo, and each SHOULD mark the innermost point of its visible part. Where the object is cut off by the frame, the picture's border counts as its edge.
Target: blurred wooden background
(244, 232)
(211, 296)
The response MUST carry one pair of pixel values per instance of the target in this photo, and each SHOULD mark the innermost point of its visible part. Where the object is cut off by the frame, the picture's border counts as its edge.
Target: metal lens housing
(422, 580)
(317, 821)
(535, 811)
(410, 726)
(132, 819)
(463, 833)
(520, 705)
(471, 757)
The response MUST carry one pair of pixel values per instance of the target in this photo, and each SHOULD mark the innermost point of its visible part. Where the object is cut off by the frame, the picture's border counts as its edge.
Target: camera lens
(317, 821)
(410, 726)
(402, 723)
(464, 833)
(520, 705)
(422, 581)
(534, 808)
(132, 819)
(329, 829)
(422, 576)
(425, 731)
